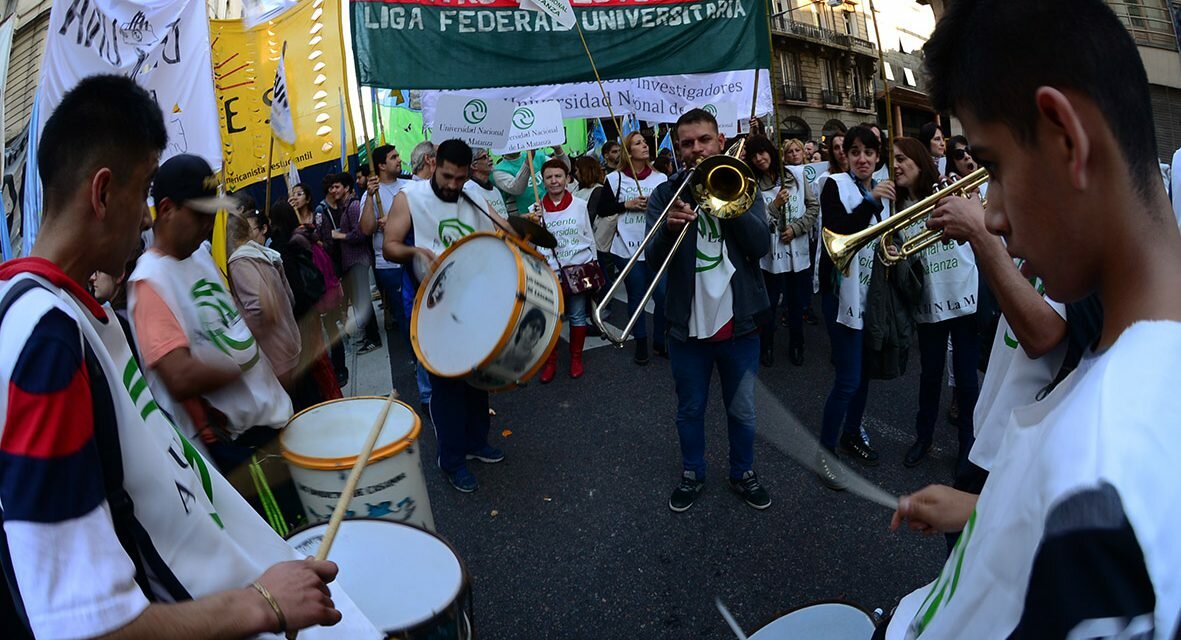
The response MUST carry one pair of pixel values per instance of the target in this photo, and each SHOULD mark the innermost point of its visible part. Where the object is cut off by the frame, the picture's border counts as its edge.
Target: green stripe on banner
(410, 44)
(403, 129)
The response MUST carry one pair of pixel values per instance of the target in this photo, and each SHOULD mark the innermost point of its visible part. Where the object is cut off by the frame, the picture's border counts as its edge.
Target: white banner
(162, 44)
(656, 99)
(282, 122)
(726, 114)
(535, 126)
(482, 123)
(256, 12)
(559, 10)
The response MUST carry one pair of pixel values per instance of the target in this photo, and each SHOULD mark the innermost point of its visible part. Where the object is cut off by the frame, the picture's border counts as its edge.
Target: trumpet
(723, 186)
(843, 248)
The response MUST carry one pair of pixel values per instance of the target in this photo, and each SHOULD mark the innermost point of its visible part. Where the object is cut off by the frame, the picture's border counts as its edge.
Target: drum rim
(335, 464)
(465, 582)
(515, 246)
(813, 603)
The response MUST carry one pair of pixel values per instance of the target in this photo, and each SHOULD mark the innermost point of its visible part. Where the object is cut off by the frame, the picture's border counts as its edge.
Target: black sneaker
(686, 494)
(856, 447)
(367, 348)
(916, 453)
(829, 473)
(751, 491)
(642, 357)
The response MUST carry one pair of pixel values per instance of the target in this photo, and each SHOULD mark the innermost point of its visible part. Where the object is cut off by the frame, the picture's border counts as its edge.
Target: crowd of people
(116, 518)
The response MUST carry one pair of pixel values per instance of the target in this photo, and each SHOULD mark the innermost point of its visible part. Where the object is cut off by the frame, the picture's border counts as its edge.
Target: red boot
(551, 367)
(577, 339)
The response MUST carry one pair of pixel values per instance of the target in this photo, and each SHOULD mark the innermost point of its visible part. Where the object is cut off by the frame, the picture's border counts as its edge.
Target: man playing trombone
(715, 302)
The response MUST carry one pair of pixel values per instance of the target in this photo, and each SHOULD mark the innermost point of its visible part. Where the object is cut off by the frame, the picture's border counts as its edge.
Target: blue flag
(666, 142)
(630, 124)
(344, 146)
(31, 207)
(598, 138)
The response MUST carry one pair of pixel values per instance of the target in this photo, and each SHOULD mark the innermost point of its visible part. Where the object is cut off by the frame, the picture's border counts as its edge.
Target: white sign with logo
(535, 126)
(480, 122)
(725, 112)
(559, 10)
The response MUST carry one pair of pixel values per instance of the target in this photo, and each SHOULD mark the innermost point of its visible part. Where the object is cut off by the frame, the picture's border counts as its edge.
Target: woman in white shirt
(566, 218)
(630, 193)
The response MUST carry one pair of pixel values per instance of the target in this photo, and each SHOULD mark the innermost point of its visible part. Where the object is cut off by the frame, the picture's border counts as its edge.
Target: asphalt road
(571, 536)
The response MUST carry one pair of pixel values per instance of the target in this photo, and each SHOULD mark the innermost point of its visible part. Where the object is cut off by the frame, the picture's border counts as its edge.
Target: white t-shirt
(950, 279)
(633, 225)
(1075, 533)
(572, 229)
(713, 297)
(786, 257)
(1013, 380)
(493, 195)
(74, 575)
(438, 224)
(854, 286)
(387, 191)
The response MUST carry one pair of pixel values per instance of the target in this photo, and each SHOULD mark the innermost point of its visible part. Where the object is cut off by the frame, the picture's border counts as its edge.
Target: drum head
(821, 621)
(467, 305)
(331, 434)
(398, 575)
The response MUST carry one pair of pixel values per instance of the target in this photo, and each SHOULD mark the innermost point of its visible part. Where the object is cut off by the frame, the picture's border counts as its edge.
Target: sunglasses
(959, 154)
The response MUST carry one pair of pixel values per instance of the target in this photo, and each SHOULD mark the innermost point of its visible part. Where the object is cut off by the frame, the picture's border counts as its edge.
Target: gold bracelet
(274, 605)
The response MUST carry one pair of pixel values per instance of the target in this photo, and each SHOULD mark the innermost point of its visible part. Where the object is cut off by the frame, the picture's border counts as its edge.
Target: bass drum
(828, 620)
(409, 583)
(490, 312)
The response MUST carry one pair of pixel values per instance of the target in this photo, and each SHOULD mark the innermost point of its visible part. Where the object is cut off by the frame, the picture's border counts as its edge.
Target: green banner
(476, 44)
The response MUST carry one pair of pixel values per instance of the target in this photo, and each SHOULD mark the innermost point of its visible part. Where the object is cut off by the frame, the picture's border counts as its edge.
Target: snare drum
(830, 620)
(409, 583)
(490, 312)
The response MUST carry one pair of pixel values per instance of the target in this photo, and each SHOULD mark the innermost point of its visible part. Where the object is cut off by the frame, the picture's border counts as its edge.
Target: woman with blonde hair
(793, 153)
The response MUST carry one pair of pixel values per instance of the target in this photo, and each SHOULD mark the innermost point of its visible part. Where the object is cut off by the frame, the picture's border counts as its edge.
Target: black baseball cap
(189, 181)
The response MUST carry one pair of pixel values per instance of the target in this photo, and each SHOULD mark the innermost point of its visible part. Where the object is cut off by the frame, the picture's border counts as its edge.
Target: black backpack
(307, 283)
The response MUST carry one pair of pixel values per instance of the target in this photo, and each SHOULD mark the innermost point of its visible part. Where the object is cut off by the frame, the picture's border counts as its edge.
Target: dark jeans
(795, 289)
(389, 282)
(357, 287)
(693, 362)
(459, 412)
(965, 344)
(850, 389)
(637, 283)
(333, 323)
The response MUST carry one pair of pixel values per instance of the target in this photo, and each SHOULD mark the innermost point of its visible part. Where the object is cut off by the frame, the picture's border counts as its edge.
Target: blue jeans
(790, 290)
(409, 289)
(637, 283)
(576, 309)
(356, 282)
(693, 363)
(389, 282)
(850, 389)
(460, 414)
(965, 358)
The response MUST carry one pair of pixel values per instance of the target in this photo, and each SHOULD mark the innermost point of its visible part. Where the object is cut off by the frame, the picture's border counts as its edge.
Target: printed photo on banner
(535, 126)
(480, 122)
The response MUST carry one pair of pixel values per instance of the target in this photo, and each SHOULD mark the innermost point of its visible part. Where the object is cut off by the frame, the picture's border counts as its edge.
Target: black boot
(795, 347)
(767, 348)
(641, 357)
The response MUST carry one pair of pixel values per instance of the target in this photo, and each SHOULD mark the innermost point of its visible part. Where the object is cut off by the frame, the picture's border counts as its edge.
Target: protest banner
(499, 44)
(244, 67)
(478, 122)
(535, 126)
(726, 114)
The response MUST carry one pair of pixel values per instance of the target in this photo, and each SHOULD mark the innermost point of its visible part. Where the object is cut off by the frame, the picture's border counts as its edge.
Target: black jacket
(747, 240)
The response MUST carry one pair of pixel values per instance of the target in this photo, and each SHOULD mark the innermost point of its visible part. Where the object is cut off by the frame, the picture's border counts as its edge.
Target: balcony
(860, 101)
(1150, 26)
(831, 97)
(794, 92)
(820, 35)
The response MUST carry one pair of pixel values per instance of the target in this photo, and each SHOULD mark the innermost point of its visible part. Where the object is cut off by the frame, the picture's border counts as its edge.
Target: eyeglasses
(959, 154)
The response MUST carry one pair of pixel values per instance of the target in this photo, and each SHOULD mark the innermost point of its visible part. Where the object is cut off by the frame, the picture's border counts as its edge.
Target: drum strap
(127, 529)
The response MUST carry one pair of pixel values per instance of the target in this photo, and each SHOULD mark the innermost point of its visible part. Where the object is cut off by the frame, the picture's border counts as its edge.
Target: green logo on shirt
(218, 314)
(708, 232)
(810, 173)
(451, 230)
(944, 588)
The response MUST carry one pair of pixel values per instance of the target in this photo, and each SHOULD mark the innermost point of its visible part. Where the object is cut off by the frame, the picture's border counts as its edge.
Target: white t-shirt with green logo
(786, 257)
(438, 224)
(713, 297)
(950, 281)
(633, 225)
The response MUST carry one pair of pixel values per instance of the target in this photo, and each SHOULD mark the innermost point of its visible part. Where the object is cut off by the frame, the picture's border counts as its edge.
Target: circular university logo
(810, 173)
(523, 118)
(711, 110)
(475, 111)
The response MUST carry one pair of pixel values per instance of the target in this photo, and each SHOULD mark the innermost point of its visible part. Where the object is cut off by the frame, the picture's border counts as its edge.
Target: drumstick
(781, 428)
(350, 485)
(730, 619)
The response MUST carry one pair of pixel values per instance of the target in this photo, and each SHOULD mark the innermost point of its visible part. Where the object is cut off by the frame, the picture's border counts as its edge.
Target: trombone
(724, 187)
(843, 248)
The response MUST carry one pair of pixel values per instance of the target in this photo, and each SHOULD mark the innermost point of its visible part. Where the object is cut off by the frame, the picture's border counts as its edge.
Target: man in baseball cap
(189, 181)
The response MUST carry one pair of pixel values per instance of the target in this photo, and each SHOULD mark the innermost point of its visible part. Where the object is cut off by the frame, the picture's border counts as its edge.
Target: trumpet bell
(724, 186)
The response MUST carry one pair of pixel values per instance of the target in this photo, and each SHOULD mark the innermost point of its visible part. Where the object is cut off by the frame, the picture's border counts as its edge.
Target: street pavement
(571, 535)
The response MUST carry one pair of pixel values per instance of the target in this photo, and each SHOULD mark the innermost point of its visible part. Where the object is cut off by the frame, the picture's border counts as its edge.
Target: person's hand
(557, 148)
(756, 125)
(300, 588)
(336, 235)
(891, 249)
(780, 198)
(885, 189)
(960, 219)
(638, 203)
(679, 215)
(372, 185)
(934, 509)
(422, 263)
(788, 234)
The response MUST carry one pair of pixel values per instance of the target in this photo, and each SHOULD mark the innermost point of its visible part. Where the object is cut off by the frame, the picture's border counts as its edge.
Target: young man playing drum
(113, 525)
(426, 217)
(1075, 533)
(715, 303)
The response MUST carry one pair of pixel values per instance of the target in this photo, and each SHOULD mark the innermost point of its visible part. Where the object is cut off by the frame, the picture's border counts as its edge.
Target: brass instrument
(842, 248)
(723, 187)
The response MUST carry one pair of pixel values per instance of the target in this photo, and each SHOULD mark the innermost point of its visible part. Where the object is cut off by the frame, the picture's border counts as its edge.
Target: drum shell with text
(411, 584)
(489, 312)
(320, 445)
(825, 620)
